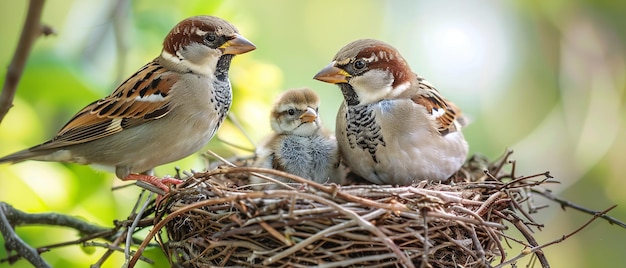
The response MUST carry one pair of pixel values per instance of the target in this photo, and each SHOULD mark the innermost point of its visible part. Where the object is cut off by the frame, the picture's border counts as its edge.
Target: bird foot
(153, 180)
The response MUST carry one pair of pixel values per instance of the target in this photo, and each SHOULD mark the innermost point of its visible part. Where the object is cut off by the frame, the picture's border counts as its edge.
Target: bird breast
(310, 157)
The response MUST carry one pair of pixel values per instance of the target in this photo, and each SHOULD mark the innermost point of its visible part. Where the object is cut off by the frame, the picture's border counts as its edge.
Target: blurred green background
(545, 78)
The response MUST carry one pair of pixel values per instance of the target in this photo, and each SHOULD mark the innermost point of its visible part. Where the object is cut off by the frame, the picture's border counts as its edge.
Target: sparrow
(299, 144)
(167, 110)
(393, 127)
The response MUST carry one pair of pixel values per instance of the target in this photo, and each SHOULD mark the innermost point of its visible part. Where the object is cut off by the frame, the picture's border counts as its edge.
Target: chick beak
(332, 74)
(308, 116)
(237, 45)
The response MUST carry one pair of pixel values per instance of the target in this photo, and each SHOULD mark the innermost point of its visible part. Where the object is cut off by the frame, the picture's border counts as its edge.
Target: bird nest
(217, 219)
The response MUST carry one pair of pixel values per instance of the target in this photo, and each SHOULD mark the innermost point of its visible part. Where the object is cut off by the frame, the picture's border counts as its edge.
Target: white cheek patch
(204, 66)
(372, 86)
(169, 57)
(400, 88)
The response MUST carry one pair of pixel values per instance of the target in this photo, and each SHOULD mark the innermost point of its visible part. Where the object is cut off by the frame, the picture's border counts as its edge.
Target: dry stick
(112, 247)
(31, 30)
(318, 235)
(233, 119)
(522, 228)
(109, 252)
(425, 253)
(504, 160)
(223, 160)
(366, 225)
(559, 240)
(564, 204)
(331, 190)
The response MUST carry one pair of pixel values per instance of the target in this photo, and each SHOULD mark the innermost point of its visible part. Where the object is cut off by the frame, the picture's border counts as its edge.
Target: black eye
(291, 111)
(210, 37)
(359, 64)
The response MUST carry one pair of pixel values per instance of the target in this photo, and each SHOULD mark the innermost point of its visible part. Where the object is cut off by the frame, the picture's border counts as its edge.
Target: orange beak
(308, 116)
(237, 45)
(332, 74)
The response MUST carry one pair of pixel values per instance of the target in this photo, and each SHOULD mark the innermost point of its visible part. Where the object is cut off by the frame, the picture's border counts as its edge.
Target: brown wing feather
(141, 98)
(444, 112)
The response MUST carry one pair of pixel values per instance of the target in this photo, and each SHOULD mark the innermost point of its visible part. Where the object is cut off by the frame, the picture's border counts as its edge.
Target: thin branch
(17, 218)
(31, 30)
(537, 249)
(565, 204)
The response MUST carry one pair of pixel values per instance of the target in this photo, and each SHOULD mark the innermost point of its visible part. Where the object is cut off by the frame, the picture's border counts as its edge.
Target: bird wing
(141, 98)
(447, 115)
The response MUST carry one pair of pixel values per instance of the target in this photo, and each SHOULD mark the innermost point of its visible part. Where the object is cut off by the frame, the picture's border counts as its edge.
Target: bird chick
(299, 144)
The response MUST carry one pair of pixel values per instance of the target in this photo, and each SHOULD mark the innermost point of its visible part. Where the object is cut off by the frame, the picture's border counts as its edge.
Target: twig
(564, 204)
(235, 121)
(31, 30)
(536, 249)
(14, 242)
(113, 247)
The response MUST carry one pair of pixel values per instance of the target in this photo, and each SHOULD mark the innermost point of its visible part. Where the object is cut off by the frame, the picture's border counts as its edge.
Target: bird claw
(154, 181)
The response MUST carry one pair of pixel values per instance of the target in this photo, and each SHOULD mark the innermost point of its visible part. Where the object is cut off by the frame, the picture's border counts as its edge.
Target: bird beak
(308, 116)
(237, 45)
(332, 74)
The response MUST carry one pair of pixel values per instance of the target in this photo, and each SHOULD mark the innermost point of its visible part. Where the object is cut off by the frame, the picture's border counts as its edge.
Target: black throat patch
(362, 129)
(348, 94)
(223, 93)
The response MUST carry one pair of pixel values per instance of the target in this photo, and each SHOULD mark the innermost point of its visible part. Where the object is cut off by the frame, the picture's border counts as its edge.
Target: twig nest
(215, 222)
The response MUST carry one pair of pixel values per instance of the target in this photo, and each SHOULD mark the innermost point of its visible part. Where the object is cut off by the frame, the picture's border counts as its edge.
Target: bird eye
(291, 111)
(210, 37)
(359, 64)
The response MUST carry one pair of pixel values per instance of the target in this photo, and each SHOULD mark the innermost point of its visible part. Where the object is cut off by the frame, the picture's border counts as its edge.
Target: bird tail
(23, 155)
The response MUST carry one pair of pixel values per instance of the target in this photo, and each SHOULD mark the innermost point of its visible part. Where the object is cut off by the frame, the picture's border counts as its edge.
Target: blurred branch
(31, 30)
(11, 217)
(565, 204)
(538, 248)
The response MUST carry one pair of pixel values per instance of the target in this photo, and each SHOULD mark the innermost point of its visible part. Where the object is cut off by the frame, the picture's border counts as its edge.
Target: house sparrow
(393, 126)
(299, 144)
(167, 110)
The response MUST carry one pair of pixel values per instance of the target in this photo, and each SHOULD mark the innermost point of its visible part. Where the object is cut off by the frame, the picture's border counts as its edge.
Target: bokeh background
(544, 78)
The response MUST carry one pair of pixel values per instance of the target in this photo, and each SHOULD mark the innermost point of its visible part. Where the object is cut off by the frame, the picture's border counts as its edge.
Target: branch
(565, 204)
(31, 30)
(14, 242)
(538, 248)
(10, 217)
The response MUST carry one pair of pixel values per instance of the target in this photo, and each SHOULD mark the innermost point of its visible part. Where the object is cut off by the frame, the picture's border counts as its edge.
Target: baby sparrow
(393, 126)
(167, 110)
(299, 144)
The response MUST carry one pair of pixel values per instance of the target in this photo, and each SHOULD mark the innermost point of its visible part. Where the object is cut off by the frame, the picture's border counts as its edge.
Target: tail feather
(20, 156)
(57, 155)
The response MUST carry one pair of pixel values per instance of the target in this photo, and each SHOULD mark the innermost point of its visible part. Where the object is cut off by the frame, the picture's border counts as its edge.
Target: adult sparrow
(299, 144)
(167, 110)
(393, 126)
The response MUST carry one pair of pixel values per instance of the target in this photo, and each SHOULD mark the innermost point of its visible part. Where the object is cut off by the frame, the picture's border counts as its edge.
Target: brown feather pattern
(434, 103)
(139, 99)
